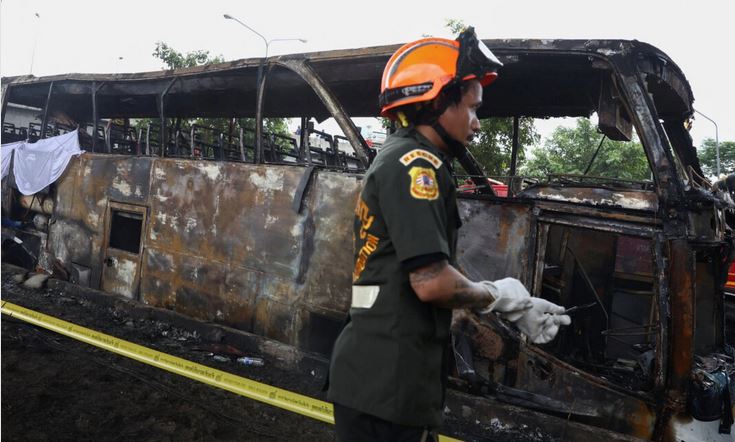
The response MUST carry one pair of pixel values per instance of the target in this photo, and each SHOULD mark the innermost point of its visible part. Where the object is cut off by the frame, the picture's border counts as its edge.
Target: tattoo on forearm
(427, 273)
(466, 299)
(464, 294)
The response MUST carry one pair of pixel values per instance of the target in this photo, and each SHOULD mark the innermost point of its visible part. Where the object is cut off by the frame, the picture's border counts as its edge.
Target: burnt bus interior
(627, 254)
(124, 118)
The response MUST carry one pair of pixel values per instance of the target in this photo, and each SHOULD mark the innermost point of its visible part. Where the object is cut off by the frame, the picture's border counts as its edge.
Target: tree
(571, 151)
(708, 157)
(174, 59)
(492, 145)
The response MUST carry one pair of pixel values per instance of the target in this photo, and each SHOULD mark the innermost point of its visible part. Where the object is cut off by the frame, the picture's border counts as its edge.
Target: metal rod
(243, 157)
(589, 166)
(45, 110)
(162, 116)
(95, 117)
(259, 118)
(304, 140)
(514, 149)
(5, 97)
(717, 140)
(589, 284)
(191, 141)
(108, 141)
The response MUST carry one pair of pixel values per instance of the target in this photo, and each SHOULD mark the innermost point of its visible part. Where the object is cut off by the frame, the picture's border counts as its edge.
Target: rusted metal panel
(83, 196)
(491, 233)
(622, 199)
(120, 274)
(328, 282)
(616, 410)
(218, 219)
(681, 295)
(595, 212)
(214, 210)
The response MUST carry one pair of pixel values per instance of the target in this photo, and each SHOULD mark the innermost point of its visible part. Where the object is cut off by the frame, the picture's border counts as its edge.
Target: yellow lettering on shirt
(370, 244)
(415, 154)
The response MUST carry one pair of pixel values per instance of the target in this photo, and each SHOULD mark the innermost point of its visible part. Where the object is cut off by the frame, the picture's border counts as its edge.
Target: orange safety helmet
(419, 70)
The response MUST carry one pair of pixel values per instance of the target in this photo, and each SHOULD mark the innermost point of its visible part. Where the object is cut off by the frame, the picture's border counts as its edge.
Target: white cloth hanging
(41, 163)
(7, 153)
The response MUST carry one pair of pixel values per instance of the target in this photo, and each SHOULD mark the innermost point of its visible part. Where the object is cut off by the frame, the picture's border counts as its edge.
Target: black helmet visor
(475, 58)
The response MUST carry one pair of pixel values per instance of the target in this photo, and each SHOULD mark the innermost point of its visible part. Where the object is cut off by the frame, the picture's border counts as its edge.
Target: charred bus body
(253, 230)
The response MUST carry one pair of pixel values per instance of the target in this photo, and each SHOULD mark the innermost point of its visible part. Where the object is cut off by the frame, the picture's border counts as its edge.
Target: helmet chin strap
(466, 159)
(456, 148)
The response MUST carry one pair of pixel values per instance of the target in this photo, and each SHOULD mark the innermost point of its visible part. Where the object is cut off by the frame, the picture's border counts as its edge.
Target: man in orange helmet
(388, 371)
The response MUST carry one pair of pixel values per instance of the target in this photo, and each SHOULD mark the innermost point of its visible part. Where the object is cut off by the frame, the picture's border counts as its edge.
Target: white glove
(511, 298)
(541, 323)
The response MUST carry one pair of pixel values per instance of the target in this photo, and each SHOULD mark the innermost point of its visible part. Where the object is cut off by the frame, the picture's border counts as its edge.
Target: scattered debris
(36, 281)
(256, 362)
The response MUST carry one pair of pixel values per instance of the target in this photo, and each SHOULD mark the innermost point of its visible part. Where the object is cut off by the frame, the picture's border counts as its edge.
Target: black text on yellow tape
(287, 400)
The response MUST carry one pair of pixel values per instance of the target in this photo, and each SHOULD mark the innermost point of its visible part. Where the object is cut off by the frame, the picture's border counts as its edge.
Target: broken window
(125, 231)
(608, 277)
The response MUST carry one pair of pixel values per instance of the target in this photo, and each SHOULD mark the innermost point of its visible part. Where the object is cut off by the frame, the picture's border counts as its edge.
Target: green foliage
(492, 145)
(174, 59)
(455, 26)
(708, 157)
(570, 150)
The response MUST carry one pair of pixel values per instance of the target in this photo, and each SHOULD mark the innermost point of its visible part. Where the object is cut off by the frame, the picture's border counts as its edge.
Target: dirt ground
(56, 388)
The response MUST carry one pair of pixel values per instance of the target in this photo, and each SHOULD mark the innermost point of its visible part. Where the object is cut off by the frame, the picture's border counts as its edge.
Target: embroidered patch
(415, 154)
(423, 183)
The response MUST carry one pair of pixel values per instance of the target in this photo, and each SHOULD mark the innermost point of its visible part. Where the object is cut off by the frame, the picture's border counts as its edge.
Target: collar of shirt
(424, 142)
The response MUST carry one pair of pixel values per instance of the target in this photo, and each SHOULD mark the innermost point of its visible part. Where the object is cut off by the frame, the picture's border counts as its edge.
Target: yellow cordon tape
(278, 397)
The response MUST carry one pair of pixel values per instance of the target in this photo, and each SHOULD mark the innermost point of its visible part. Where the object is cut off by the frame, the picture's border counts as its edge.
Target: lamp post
(266, 41)
(35, 41)
(260, 75)
(717, 140)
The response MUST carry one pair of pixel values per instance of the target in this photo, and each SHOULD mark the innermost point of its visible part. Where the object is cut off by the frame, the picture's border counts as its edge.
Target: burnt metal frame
(46, 109)
(162, 115)
(5, 94)
(304, 70)
(670, 252)
(95, 118)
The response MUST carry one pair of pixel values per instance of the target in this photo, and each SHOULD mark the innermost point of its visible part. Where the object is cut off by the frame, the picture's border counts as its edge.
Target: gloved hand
(541, 323)
(511, 298)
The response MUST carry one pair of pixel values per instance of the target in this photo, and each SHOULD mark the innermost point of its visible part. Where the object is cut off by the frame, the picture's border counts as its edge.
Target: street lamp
(258, 130)
(266, 41)
(717, 140)
(35, 41)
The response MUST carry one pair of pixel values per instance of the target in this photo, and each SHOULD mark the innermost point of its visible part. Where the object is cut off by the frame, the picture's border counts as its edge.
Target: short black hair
(430, 111)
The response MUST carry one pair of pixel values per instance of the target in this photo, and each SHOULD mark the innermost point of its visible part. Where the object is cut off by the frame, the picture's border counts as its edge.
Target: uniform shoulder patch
(415, 154)
(423, 183)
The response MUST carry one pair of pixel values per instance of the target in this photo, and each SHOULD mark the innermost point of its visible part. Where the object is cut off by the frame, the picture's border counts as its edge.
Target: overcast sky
(105, 37)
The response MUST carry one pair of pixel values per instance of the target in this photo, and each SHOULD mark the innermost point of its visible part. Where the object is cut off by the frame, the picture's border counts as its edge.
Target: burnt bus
(251, 228)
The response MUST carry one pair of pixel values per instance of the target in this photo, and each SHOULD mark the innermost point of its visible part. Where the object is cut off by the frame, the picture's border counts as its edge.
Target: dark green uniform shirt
(388, 361)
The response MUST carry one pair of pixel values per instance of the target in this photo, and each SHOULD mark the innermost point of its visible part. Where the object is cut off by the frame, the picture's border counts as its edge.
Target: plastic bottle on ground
(246, 360)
